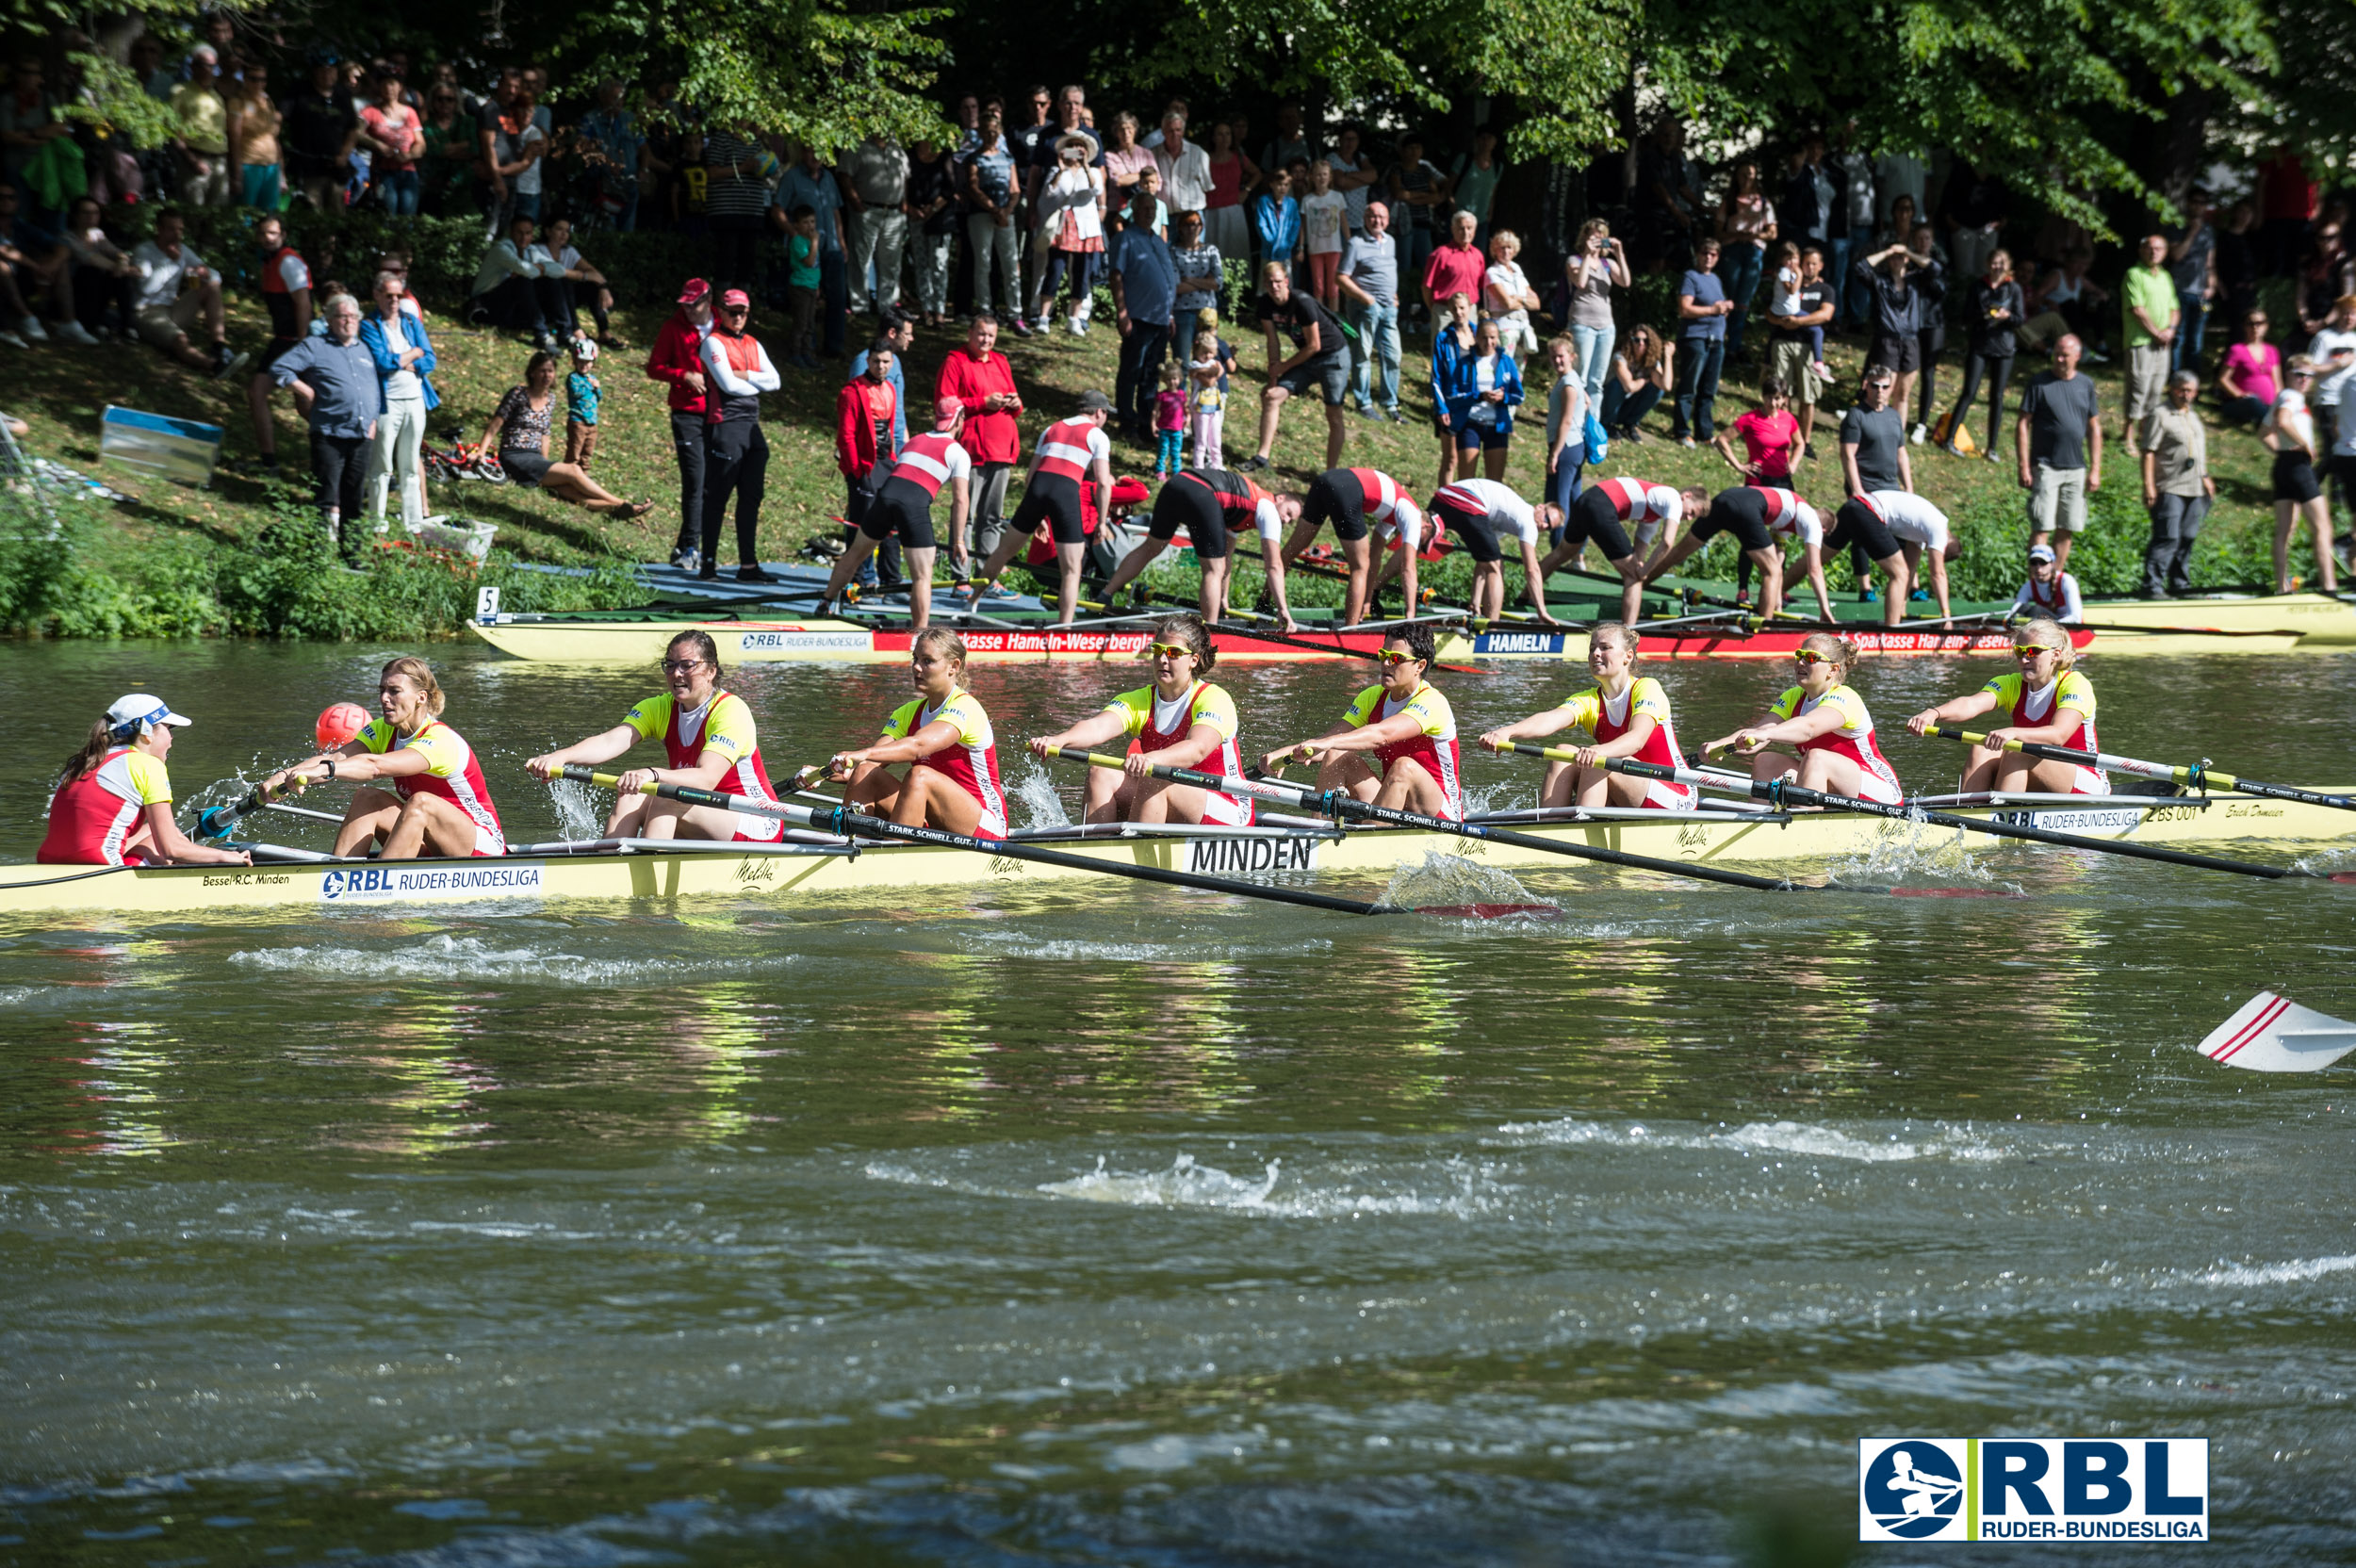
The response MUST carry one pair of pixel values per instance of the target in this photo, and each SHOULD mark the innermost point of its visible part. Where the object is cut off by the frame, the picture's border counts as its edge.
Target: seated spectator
(520, 286)
(335, 385)
(585, 286)
(2067, 300)
(2252, 375)
(256, 161)
(1643, 372)
(102, 273)
(204, 139)
(176, 292)
(518, 432)
(32, 258)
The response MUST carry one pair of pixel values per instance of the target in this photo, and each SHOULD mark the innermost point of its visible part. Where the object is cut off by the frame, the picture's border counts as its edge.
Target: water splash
(1184, 1184)
(576, 810)
(1919, 850)
(1442, 878)
(1034, 796)
(2296, 1272)
(1769, 1137)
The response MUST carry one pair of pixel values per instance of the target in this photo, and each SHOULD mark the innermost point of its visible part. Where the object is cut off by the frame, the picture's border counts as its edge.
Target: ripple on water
(1457, 1187)
(1778, 1137)
(442, 957)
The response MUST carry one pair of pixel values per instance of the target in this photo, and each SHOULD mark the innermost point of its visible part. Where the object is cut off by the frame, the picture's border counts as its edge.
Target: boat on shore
(811, 866)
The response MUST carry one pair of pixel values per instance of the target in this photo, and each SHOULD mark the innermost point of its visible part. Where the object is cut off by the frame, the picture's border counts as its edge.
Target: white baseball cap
(138, 711)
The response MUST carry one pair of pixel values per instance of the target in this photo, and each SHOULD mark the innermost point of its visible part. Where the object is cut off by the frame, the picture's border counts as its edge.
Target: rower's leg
(874, 788)
(933, 799)
(848, 563)
(1069, 559)
(920, 585)
(1409, 788)
(1212, 599)
(1631, 572)
(1561, 784)
(1982, 770)
(1488, 589)
(1133, 563)
(1158, 800)
(366, 820)
(707, 823)
(1774, 764)
(1347, 771)
(1771, 568)
(1899, 584)
(430, 822)
(628, 813)
(1618, 789)
(1105, 792)
(1833, 773)
(2015, 773)
(1359, 553)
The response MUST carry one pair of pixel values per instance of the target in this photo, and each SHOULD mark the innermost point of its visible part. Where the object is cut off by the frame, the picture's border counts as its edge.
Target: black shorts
(1331, 373)
(1486, 437)
(1739, 510)
(1855, 524)
(272, 351)
(2295, 477)
(1899, 354)
(526, 468)
(1336, 497)
(1593, 520)
(1187, 503)
(904, 509)
(1055, 501)
(1479, 535)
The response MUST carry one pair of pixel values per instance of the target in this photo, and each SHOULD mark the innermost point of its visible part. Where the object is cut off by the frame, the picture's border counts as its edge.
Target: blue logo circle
(1913, 1489)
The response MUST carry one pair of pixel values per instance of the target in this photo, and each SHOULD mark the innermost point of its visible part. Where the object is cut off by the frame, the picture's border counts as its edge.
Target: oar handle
(1628, 765)
(1261, 788)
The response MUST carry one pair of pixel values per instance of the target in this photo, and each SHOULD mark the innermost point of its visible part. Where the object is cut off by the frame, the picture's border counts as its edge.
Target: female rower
(1629, 716)
(1408, 727)
(2048, 703)
(944, 738)
(1181, 721)
(113, 805)
(437, 801)
(1827, 724)
(709, 743)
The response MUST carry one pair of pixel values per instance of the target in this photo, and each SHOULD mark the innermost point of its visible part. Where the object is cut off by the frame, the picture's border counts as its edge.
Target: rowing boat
(811, 867)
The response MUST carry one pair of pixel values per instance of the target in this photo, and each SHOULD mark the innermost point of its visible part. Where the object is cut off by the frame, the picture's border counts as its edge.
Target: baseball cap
(695, 291)
(1093, 402)
(737, 297)
(2040, 553)
(584, 350)
(948, 411)
(138, 710)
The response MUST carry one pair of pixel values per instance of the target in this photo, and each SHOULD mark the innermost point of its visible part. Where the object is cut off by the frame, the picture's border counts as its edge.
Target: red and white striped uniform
(453, 773)
(930, 461)
(1854, 739)
(91, 817)
(1635, 501)
(1388, 506)
(1790, 517)
(1069, 448)
(972, 763)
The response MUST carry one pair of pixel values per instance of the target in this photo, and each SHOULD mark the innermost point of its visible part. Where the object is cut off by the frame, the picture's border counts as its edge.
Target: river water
(1116, 1225)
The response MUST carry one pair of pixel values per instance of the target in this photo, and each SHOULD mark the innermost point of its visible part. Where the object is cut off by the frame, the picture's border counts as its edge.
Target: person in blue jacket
(1484, 387)
(395, 337)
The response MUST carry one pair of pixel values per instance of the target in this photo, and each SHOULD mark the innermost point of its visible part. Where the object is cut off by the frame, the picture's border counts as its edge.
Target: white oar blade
(2273, 1034)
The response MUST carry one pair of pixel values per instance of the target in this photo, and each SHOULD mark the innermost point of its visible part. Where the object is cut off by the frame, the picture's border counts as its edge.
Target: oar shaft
(2167, 772)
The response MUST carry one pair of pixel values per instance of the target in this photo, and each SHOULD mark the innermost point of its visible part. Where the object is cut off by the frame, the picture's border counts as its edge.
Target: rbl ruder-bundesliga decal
(2033, 1489)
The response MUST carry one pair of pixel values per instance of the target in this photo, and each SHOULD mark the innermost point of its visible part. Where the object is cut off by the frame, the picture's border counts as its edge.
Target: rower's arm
(1535, 727)
(175, 846)
(1954, 711)
(1095, 730)
(597, 748)
(1816, 578)
(937, 736)
(1640, 730)
(1533, 583)
(1807, 727)
(1373, 737)
(1202, 742)
(1272, 568)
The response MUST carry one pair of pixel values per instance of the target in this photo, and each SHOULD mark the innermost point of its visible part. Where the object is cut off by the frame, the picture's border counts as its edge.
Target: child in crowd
(1276, 220)
(580, 404)
(1324, 216)
(801, 287)
(1785, 301)
(2050, 590)
(1170, 422)
(1214, 356)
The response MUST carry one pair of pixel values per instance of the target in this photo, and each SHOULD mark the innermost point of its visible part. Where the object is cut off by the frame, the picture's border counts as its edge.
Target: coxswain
(709, 743)
(437, 802)
(1923, 534)
(1214, 506)
(113, 803)
(1623, 518)
(1070, 452)
(903, 504)
(943, 740)
(2046, 702)
(1359, 502)
(1755, 516)
(1179, 721)
(1397, 744)
(1826, 724)
(1860, 521)
(2050, 591)
(1482, 513)
(1627, 715)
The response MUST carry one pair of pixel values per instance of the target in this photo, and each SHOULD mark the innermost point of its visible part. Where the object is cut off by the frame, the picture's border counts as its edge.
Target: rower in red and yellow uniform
(1181, 721)
(1408, 726)
(709, 743)
(1827, 724)
(2048, 702)
(946, 739)
(438, 802)
(113, 805)
(1629, 716)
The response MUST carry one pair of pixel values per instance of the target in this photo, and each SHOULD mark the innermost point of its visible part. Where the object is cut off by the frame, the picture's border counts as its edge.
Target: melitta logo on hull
(1227, 857)
(490, 879)
(2057, 1489)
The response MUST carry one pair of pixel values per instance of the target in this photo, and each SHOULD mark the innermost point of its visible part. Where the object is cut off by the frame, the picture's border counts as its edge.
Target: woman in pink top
(393, 133)
(1770, 434)
(1231, 174)
(2253, 373)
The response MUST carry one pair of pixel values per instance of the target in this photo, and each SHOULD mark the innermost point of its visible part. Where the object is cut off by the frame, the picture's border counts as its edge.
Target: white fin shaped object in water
(2273, 1034)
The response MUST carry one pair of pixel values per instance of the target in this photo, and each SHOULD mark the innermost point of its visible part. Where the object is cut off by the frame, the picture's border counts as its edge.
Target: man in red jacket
(982, 382)
(865, 412)
(677, 362)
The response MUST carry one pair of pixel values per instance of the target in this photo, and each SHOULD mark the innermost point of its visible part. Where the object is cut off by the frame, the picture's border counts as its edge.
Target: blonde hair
(1173, 373)
(1619, 635)
(1593, 227)
(2046, 633)
(1842, 653)
(420, 675)
(1206, 317)
(942, 640)
(1505, 237)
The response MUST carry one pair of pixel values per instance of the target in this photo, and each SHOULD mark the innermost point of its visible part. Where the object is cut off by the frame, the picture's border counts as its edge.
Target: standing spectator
(446, 162)
(1276, 222)
(1150, 184)
(1473, 185)
(2177, 489)
(1145, 293)
(1354, 176)
(1815, 198)
(1597, 264)
(1769, 436)
(2150, 295)
(1746, 223)
(1455, 268)
(1320, 358)
(1323, 214)
(1932, 334)
(989, 228)
(1213, 363)
(2237, 261)
(875, 192)
(585, 289)
(1202, 274)
(1070, 207)
(899, 332)
(1899, 282)
(1702, 311)
(1125, 164)
(2058, 439)
(393, 133)
(1667, 197)
(1566, 423)
(1873, 457)
(1993, 309)
(1291, 140)
(2290, 434)
(1369, 278)
(2286, 208)
(1418, 192)
(253, 149)
(496, 150)
(802, 280)
(519, 287)
(1185, 167)
(615, 155)
(2252, 375)
(176, 292)
(868, 426)
(1231, 174)
(2332, 351)
(933, 212)
(335, 384)
(810, 183)
(403, 355)
(677, 363)
(982, 381)
(735, 199)
(33, 138)
(2325, 276)
(205, 177)
(1506, 294)
(1455, 329)
(285, 290)
(321, 129)
(1643, 370)
(1972, 210)
(738, 371)
(1858, 218)
(1792, 341)
(1486, 389)
(2192, 262)
(518, 432)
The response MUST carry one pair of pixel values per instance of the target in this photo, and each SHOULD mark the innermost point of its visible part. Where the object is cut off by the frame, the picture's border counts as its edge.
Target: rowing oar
(1232, 629)
(1339, 802)
(1776, 792)
(2199, 776)
(844, 823)
(219, 821)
